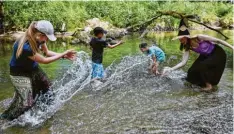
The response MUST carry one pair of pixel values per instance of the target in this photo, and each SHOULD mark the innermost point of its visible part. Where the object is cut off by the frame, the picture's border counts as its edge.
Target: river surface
(130, 100)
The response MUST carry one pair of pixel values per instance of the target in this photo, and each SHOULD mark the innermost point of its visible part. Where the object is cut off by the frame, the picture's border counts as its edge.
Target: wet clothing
(209, 66)
(204, 48)
(157, 52)
(39, 79)
(98, 70)
(97, 46)
(39, 83)
(29, 81)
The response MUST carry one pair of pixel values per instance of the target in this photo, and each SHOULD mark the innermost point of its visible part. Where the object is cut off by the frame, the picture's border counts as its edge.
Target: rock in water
(85, 34)
(75, 41)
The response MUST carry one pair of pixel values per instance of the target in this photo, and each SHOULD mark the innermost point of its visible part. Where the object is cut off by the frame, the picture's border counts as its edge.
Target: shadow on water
(130, 100)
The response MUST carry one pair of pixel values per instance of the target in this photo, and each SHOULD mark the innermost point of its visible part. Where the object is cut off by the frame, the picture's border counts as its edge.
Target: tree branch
(189, 17)
(136, 27)
(209, 27)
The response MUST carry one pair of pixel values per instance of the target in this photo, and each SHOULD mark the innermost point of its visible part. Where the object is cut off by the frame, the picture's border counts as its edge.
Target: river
(130, 101)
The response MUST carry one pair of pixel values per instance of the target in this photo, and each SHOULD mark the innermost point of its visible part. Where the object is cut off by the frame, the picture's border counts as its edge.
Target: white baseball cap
(47, 28)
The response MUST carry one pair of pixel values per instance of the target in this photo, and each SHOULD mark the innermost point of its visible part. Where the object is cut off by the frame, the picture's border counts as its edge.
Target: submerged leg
(15, 109)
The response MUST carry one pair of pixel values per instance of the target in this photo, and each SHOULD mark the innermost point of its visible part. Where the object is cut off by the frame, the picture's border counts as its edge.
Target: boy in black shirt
(97, 45)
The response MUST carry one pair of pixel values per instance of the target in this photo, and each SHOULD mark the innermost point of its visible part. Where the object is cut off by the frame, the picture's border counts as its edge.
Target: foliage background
(18, 14)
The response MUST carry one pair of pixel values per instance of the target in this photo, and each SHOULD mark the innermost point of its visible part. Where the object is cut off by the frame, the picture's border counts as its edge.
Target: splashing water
(62, 90)
(131, 100)
(134, 101)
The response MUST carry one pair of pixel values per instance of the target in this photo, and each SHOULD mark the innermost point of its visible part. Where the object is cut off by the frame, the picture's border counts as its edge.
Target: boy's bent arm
(154, 61)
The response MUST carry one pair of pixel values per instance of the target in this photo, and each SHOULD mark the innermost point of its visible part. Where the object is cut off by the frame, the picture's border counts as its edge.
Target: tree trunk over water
(188, 17)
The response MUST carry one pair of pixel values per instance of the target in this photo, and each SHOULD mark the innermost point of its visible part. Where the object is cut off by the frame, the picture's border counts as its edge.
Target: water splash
(134, 101)
(78, 75)
(131, 100)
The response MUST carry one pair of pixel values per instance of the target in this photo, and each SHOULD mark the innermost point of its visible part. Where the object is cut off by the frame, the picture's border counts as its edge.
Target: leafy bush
(121, 14)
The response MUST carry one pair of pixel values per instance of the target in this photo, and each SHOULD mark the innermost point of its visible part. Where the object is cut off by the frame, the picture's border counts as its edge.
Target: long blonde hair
(29, 36)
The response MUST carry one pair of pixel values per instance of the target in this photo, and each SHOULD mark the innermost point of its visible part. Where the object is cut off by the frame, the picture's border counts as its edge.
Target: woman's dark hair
(185, 47)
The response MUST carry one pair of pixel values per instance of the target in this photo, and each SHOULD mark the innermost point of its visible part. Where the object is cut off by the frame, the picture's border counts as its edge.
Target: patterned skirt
(28, 87)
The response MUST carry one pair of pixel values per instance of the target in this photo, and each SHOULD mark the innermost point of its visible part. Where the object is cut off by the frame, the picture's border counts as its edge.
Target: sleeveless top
(204, 48)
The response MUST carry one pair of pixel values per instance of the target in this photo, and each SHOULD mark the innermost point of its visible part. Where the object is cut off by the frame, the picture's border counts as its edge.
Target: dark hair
(143, 45)
(185, 47)
(98, 30)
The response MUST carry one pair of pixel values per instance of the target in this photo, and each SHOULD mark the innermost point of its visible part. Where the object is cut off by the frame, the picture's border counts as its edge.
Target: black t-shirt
(98, 46)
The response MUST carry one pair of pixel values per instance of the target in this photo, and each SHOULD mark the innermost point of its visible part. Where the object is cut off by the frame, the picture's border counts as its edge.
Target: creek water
(130, 100)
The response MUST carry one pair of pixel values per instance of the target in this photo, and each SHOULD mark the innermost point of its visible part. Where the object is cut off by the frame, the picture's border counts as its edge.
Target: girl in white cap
(27, 77)
(208, 68)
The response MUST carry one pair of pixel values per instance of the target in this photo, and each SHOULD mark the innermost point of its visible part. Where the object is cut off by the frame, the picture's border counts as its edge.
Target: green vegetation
(19, 14)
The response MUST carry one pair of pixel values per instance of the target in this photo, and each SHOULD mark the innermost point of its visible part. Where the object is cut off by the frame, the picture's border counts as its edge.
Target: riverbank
(83, 35)
(13, 35)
